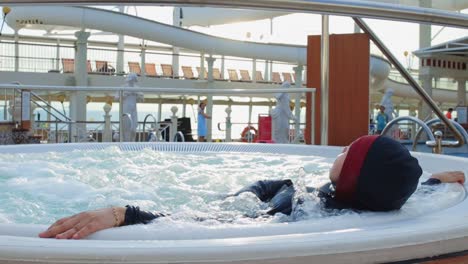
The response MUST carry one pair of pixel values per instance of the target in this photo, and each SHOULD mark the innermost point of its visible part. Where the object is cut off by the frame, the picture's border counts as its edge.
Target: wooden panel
(313, 81)
(348, 114)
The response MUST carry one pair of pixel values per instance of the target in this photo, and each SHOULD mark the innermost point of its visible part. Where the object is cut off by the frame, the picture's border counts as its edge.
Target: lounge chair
(245, 76)
(104, 67)
(188, 73)
(259, 77)
(150, 70)
(167, 71)
(233, 75)
(275, 77)
(68, 65)
(217, 75)
(199, 70)
(134, 67)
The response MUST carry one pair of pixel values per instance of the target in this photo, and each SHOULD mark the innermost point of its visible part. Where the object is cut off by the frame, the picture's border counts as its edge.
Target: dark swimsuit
(279, 194)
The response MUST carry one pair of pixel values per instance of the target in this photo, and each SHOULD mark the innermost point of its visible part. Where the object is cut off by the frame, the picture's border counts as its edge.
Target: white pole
(120, 49)
(209, 105)
(324, 80)
(143, 59)
(78, 109)
(16, 51)
(297, 101)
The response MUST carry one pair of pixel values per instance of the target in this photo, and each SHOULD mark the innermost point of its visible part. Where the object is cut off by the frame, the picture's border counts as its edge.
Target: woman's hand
(450, 176)
(85, 223)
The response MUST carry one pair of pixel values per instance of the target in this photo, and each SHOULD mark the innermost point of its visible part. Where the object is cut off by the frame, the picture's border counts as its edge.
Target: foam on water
(40, 188)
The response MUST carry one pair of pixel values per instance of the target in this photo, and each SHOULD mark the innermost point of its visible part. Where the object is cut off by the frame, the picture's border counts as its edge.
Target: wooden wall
(348, 113)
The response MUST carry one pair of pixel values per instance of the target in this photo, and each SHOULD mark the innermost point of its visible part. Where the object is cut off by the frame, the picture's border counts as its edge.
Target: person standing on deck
(381, 119)
(202, 116)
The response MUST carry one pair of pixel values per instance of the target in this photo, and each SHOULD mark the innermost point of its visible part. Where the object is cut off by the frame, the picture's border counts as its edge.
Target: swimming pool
(416, 231)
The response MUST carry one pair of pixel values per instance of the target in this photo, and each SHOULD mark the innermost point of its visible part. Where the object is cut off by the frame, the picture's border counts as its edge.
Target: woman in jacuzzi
(373, 173)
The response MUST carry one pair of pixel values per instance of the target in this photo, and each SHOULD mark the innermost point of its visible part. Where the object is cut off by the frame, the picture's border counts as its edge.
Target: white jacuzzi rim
(444, 225)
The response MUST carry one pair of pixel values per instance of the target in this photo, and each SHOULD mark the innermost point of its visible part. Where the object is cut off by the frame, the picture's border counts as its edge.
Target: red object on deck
(264, 129)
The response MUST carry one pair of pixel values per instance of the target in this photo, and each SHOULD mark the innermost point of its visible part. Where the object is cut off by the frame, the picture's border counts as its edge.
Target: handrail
(414, 119)
(436, 120)
(412, 82)
(48, 105)
(179, 134)
(204, 91)
(144, 122)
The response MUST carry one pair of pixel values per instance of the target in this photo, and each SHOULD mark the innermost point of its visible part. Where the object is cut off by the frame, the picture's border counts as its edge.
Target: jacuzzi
(373, 238)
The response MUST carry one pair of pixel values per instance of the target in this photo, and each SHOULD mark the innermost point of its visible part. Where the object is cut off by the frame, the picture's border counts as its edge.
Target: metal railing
(167, 91)
(413, 83)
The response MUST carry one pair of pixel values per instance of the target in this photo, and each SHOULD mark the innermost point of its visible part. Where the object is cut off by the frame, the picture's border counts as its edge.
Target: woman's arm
(85, 223)
(450, 176)
(206, 116)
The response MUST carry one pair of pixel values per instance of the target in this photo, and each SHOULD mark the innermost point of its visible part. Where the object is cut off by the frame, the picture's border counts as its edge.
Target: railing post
(107, 133)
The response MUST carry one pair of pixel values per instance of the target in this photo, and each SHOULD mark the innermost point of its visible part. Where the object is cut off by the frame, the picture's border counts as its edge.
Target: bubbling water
(40, 188)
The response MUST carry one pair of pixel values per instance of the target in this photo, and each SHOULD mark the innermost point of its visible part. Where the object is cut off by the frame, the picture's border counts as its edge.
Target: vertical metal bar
(57, 56)
(324, 74)
(5, 105)
(412, 82)
(312, 119)
(16, 51)
(56, 132)
(120, 115)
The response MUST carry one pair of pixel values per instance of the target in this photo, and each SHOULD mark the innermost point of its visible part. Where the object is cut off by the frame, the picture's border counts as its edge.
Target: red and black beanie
(378, 174)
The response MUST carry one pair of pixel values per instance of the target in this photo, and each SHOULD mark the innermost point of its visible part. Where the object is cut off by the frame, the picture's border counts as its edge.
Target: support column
(222, 67)
(78, 99)
(324, 74)
(266, 75)
(16, 51)
(176, 21)
(202, 66)
(250, 111)
(209, 105)
(297, 99)
(425, 111)
(120, 50)
(184, 106)
(160, 109)
(57, 56)
(461, 92)
(143, 59)
(254, 71)
(424, 42)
